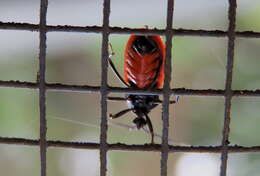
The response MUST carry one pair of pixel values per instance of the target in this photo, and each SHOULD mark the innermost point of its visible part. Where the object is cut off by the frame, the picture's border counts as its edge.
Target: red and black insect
(144, 60)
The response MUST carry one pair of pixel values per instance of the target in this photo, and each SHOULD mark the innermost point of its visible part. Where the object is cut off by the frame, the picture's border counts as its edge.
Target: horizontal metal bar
(19, 84)
(124, 147)
(121, 30)
(96, 89)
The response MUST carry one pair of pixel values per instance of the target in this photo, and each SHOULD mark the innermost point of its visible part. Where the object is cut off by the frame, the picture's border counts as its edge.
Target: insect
(144, 59)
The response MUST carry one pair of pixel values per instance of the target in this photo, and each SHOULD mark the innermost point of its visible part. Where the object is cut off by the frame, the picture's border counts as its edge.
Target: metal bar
(167, 89)
(42, 86)
(103, 89)
(228, 85)
(119, 30)
(124, 147)
(95, 89)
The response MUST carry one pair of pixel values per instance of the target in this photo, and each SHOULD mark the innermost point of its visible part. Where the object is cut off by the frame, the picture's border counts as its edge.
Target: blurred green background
(74, 58)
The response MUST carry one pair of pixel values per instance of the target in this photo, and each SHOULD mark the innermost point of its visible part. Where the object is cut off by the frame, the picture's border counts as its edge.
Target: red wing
(143, 70)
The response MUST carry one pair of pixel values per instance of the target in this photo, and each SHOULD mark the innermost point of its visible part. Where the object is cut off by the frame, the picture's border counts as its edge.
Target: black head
(142, 104)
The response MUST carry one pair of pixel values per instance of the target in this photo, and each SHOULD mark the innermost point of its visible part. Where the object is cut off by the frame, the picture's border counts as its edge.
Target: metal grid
(104, 89)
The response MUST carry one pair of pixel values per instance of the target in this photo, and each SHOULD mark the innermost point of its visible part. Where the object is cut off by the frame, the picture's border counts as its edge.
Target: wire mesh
(104, 89)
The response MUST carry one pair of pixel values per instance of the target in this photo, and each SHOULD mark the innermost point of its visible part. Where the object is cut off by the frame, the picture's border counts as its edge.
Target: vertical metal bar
(166, 89)
(228, 85)
(42, 86)
(103, 89)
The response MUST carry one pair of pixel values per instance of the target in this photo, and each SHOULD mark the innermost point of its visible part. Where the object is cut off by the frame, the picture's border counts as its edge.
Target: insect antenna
(115, 124)
(74, 121)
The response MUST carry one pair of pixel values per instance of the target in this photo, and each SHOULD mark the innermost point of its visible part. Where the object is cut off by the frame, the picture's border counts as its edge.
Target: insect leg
(150, 126)
(111, 64)
(112, 53)
(119, 114)
(177, 98)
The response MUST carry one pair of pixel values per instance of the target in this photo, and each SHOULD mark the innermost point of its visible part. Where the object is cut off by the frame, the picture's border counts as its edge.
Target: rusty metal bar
(42, 86)
(119, 30)
(103, 89)
(167, 89)
(124, 147)
(95, 89)
(228, 85)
